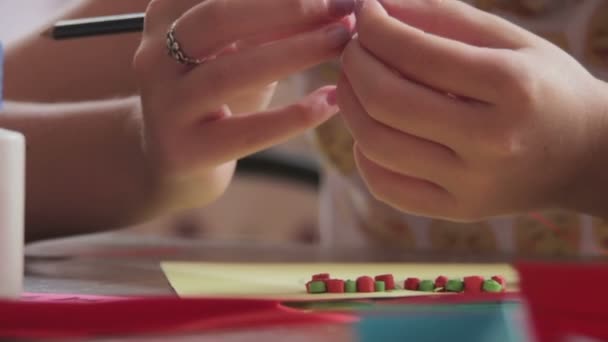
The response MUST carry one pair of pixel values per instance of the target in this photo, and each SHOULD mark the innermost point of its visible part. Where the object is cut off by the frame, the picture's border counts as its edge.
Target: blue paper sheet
(471, 323)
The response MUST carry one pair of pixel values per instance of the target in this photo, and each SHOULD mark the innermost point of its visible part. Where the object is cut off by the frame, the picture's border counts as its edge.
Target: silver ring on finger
(175, 49)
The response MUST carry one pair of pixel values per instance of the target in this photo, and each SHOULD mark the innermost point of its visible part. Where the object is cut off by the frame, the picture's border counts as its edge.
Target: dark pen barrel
(98, 26)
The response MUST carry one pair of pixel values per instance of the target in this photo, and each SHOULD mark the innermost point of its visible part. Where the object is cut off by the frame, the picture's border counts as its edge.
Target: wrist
(144, 166)
(172, 190)
(588, 188)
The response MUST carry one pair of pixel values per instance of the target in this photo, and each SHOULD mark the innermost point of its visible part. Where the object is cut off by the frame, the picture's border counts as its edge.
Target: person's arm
(85, 166)
(88, 168)
(40, 69)
(587, 190)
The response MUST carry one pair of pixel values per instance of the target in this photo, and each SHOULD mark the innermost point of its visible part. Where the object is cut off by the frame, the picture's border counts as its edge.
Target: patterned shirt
(350, 216)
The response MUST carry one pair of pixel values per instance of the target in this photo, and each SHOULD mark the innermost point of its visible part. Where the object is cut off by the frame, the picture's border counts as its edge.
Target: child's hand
(191, 134)
(459, 114)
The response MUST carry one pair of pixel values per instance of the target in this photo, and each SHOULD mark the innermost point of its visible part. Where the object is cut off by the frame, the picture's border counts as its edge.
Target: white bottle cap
(12, 213)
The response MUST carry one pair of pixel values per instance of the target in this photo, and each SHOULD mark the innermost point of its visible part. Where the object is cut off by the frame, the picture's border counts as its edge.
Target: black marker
(96, 26)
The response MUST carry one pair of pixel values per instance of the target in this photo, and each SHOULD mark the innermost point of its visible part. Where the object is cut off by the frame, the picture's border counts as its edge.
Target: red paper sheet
(566, 299)
(25, 319)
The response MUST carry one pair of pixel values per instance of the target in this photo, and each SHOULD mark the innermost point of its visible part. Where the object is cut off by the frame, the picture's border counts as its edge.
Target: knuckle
(367, 24)
(156, 7)
(305, 8)
(217, 81)
(505, 143)
(375, 103)
(305, 114)
(343, 97)
(377, 190)
(369, 138)
(364, 143)
(143, 61)
(349, 56)
(498, 139)
(375, 185)
(432, 23)
(435, 5)
(516, 80)
(342, 86)
(156, 13)
(364, 130)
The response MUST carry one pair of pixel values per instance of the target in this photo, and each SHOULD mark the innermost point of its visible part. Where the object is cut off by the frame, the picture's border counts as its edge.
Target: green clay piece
(350, 286)
(380, 286)
(455, 285)
(426, 286)
(492, 286)
(317, 287)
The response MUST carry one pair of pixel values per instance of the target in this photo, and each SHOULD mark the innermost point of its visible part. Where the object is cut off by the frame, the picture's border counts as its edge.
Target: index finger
(237, 136)
(214, 24)
(458, 20)
(446, 65)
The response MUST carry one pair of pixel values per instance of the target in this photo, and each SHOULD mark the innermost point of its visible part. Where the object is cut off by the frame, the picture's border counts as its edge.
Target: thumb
(454, 19)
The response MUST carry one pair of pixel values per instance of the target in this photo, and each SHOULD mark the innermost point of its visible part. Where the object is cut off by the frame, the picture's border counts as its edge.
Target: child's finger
(160, 14)
(394, 150)
(410, 107)
(444, 64)
(219, 80)
(258, 39)
(404, 193)
(214, 24)
(459, 21)
(237, 136)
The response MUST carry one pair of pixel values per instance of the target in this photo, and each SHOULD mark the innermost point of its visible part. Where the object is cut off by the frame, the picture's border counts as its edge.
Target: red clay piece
(501, 280)
(411, 284)
(308, 286)
(335, 285)
(366, 284)
(388, 279)
(320, 276)
(473, 284)
(441, 282)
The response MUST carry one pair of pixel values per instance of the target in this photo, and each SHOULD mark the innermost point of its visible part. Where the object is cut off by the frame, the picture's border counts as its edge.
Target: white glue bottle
(12, 203)
(12, 209)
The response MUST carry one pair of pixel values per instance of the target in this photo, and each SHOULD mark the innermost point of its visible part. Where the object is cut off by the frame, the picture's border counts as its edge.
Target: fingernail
(338, 35)
(340, 8)
(332, 97)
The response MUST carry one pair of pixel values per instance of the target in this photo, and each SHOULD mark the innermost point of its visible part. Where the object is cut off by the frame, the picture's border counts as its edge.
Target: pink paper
(68, 298)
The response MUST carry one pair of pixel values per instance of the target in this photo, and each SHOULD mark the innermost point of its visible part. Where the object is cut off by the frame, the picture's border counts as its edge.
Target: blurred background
(261, 204)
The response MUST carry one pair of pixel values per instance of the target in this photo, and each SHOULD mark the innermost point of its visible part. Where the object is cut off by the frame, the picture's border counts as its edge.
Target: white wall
(17, 17)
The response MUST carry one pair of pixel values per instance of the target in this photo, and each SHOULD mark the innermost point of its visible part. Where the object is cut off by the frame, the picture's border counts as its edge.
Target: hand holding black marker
(192, 139)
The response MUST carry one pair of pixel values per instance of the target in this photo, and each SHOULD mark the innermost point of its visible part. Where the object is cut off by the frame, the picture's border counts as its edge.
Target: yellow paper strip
(286, 281)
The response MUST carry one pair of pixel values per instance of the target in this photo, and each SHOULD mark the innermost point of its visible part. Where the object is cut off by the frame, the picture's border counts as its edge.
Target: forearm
(39, 69)
(85, 167)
